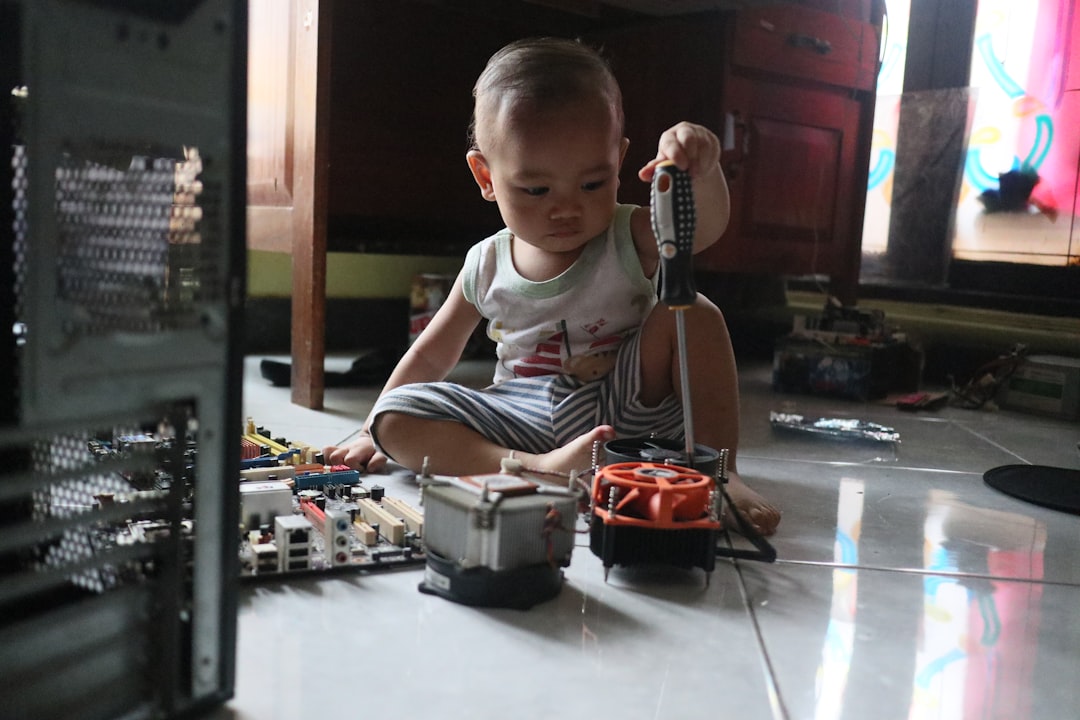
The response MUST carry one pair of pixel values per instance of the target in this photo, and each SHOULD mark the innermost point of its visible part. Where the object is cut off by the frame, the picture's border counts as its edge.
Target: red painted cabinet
(790, 91)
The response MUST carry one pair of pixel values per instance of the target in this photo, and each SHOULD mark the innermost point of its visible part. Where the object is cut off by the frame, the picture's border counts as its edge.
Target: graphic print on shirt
(598, 360)
(548, 358)
(553, 354)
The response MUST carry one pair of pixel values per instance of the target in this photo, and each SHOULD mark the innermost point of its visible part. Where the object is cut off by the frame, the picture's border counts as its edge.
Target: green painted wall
(348, 275)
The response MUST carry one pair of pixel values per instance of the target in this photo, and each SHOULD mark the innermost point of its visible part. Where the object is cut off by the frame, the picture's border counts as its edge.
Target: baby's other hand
(691, 147)
(360, 454)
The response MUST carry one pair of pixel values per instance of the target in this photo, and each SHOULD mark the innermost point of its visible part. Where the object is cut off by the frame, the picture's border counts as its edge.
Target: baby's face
(555, 174)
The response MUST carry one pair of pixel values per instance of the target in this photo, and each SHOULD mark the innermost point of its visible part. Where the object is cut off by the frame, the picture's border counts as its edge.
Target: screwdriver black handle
(673, 223)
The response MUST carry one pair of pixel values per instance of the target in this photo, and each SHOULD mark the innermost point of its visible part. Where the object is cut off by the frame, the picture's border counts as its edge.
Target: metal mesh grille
(138, 240)
(104, 507)
(19, 205)
(76, 500)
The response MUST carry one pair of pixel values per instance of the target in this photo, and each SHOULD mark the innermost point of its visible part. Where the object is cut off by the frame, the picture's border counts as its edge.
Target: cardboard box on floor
(1045, 385)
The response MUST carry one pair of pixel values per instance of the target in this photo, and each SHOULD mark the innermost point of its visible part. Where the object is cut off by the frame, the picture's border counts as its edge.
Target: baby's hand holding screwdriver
(691, 147)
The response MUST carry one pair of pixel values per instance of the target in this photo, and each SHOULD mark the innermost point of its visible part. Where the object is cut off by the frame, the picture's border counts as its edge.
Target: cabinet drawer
(809, 44)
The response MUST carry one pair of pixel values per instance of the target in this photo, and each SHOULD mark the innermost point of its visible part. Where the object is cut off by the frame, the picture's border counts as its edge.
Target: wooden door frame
(311, 173)
(287, 198)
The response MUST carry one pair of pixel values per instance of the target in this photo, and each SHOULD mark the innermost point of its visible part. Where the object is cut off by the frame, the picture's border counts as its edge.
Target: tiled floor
(905, 588)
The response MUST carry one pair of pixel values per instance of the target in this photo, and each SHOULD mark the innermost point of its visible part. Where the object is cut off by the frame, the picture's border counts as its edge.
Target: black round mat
(1052, 487)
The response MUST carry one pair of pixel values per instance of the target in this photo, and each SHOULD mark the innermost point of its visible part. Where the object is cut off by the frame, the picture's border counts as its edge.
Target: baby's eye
(534, 191)
(593, 186)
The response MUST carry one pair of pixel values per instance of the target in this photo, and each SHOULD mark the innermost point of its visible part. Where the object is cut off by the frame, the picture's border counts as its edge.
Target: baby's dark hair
(546, 71)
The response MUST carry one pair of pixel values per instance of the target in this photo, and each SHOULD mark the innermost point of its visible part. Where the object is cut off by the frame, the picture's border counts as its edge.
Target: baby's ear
(481, 173)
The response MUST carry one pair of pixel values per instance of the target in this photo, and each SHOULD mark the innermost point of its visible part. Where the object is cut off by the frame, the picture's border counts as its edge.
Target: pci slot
(390, 527)
(414, 519)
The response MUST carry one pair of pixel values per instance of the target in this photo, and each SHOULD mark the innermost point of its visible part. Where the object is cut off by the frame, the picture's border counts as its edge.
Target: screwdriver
(673, 223)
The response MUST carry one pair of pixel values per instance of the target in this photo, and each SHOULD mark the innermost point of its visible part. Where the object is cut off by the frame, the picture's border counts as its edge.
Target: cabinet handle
(735, 144)
(736, 134)
(818, 45)
(730, 121)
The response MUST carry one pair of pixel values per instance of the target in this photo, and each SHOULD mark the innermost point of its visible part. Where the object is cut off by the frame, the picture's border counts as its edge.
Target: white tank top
(571, 324)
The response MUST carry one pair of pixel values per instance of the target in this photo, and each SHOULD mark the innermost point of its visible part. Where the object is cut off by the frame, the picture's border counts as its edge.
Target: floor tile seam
(998, 445)
(772, 687)
(925, 572)
(841, 463)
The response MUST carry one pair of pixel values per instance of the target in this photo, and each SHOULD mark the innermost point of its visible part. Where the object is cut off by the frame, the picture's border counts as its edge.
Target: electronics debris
(838, 428)
(845, 352)
(297, 516)
(654, 513)
(301, 516)
(497, 540)
(650, 505)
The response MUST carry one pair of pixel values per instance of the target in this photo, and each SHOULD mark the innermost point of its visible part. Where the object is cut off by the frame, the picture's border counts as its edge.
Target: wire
(984, 384)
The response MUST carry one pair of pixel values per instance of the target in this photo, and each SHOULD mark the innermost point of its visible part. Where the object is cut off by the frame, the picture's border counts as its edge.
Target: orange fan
(646, 512)
(654, 495)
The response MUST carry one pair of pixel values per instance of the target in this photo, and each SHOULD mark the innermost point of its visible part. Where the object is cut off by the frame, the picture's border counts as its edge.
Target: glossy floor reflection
(905, 588)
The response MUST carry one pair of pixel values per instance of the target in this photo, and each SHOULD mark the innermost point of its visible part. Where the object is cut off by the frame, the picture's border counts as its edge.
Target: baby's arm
(430, 359)
(695, 149)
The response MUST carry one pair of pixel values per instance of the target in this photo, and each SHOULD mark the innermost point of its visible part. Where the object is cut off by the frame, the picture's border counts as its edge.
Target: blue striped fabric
(538, 414)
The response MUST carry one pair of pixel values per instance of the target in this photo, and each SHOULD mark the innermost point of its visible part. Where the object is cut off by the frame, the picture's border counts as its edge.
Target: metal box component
(261, 502)
(122, 267)
(507, 526)
(496, 540)
(1046, 385)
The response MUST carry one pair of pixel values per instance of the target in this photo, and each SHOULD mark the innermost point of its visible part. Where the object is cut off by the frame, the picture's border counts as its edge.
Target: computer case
(122, 267)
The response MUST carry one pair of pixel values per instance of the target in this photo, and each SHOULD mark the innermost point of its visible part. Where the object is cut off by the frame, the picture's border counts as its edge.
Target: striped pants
(539, 414)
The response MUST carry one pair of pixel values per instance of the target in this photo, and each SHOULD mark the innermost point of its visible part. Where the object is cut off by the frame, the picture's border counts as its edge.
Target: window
(1024, 124)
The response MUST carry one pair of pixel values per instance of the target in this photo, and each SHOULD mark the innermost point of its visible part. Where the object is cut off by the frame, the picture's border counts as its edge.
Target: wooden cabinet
(799, 101)
(401, 91)
(360, 143)
(792, 180)
(789, 89)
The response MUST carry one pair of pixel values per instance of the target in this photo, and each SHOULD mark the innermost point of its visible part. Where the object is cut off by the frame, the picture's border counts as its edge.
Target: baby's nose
(565, 207)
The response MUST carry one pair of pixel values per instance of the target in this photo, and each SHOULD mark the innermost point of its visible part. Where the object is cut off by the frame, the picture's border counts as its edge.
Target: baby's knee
(702, 316)
(385, 427)
(394, 434)
(388, 424)
(701, 306)
(706, 308)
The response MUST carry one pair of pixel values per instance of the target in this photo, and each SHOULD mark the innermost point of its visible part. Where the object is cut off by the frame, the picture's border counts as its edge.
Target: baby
(584, 351)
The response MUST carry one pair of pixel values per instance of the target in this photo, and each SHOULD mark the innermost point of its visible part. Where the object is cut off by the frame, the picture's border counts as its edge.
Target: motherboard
(298, 516)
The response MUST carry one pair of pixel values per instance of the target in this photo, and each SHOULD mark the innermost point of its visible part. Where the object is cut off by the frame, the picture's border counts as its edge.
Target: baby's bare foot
(762, 515)
(574, 455)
